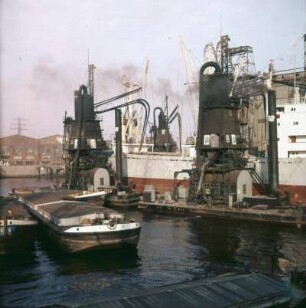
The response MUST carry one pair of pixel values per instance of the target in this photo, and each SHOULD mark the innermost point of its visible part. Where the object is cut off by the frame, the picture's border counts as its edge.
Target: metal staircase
(258, 179)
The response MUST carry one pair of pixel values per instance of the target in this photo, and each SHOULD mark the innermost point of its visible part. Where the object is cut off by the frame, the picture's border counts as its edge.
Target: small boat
(81, 226)
(109, 197)
(17, 227)
(121, 199)
(90, 195)
(85, 195)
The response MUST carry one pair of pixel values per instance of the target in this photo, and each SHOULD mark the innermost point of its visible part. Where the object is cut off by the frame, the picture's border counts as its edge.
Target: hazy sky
(45, 43)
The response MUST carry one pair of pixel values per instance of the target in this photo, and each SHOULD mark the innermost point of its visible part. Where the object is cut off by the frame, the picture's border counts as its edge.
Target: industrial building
(26, 151)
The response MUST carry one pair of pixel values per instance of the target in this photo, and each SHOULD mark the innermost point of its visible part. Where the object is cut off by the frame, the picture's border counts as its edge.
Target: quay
(231, 290)
(294, 216)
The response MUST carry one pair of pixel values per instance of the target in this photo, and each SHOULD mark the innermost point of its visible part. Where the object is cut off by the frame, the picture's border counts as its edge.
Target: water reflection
(111, 260)
(293, 247)
(47, 276)
(169, 253)
(16, 267)
(234, 244)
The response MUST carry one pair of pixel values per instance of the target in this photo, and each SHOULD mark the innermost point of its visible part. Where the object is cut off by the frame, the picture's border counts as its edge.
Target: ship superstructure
(291, 112)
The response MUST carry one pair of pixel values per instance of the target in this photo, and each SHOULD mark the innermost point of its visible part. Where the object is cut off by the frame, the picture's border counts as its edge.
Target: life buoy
(112, 224)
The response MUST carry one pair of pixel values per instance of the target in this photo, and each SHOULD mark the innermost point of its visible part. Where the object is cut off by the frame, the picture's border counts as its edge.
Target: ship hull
(127, 201)
(160, 185)
(95, 241)
(157, 171)
(17, 237)
(17, 227)
(297, 193)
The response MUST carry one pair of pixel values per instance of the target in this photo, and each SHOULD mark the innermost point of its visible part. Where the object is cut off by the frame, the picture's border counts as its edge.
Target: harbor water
(171, 249)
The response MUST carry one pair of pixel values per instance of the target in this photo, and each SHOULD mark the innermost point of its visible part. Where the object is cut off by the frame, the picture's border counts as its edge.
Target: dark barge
(17, 227)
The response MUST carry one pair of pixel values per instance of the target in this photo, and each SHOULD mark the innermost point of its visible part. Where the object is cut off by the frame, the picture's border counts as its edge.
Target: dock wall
(21, 171)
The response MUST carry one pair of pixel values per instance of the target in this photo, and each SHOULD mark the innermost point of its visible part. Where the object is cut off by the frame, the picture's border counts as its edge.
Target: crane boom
(191, 80)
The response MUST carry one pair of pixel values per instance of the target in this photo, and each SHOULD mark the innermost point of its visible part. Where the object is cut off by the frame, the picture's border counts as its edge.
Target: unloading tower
(83, 142)
(220, 145)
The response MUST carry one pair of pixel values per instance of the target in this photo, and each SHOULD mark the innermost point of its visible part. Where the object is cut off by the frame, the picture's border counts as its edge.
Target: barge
(17, 227)
(81, 226)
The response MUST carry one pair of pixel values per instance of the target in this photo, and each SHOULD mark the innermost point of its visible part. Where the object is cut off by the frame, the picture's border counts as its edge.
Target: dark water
(170, 250)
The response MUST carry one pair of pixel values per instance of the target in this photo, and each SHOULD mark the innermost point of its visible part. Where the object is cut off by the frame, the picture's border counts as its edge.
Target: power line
(19, 126)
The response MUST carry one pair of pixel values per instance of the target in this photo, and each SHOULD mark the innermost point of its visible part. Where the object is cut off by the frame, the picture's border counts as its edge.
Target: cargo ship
(157, 169)
(161, 166)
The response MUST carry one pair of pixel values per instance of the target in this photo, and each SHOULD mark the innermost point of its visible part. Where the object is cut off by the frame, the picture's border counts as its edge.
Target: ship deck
(11, 208)
(67, 209)
(59, 208)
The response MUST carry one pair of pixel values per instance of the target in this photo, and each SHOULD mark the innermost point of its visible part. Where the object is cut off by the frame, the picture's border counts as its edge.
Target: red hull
(297, 193)
(160, 185)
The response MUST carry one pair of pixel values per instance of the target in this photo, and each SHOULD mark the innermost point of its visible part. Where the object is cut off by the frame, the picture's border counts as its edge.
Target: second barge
(17, 227)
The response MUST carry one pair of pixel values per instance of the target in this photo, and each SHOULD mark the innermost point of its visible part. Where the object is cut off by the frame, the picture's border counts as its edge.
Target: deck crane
(144, 78)
(192, 81)
(132, 122)
(144, 95)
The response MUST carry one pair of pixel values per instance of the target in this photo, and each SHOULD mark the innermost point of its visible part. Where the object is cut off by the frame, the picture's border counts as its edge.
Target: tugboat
(17, 227)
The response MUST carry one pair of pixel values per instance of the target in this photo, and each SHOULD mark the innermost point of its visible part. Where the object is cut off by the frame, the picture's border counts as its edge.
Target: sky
(45, 47)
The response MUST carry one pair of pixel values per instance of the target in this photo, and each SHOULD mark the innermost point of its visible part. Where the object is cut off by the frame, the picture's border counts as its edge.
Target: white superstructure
(291, 128)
